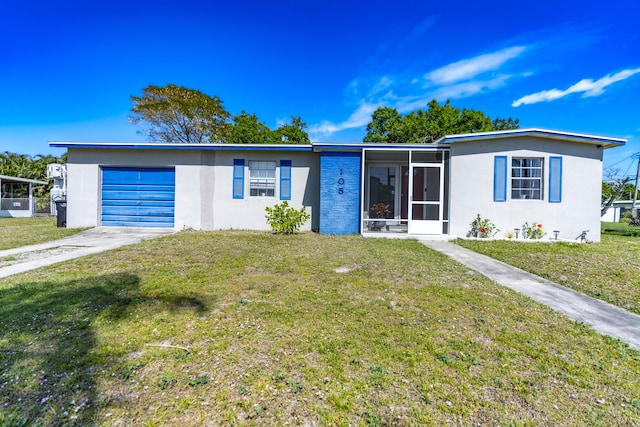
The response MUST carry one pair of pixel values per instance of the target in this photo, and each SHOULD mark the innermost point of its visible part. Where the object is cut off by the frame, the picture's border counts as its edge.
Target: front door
(426, 190)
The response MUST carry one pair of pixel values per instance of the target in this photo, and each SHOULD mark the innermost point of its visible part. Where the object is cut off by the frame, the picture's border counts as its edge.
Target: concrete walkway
(92, 241)
(603, 317)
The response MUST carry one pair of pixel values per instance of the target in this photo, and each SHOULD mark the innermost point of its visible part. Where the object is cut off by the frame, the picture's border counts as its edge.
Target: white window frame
(262, 178)
(524, 175)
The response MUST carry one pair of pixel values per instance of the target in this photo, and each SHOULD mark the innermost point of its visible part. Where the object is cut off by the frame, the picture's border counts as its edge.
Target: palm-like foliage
(25, 166)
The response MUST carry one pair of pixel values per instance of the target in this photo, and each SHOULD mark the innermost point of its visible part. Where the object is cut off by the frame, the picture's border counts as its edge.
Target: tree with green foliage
(292, 133)
(424, 126)
(176, 114)
(385, 126)
(248, 129)
(621, 189)
(25, 166)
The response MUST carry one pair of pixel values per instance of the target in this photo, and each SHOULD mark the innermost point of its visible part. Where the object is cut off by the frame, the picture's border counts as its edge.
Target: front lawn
(608, 270)
(18, 232)
(620, 228)
(249, 328)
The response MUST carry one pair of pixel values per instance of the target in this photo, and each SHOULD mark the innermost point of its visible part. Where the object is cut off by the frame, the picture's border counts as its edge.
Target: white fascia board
(606, 142)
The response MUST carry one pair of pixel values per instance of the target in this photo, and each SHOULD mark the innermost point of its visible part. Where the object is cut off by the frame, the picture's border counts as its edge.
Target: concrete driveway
(92, 241)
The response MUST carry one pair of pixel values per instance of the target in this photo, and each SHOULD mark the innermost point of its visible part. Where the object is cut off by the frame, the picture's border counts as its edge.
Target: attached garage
(138, 197)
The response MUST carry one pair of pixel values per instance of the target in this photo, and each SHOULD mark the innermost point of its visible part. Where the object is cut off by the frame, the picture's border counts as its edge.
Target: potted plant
(379, 210)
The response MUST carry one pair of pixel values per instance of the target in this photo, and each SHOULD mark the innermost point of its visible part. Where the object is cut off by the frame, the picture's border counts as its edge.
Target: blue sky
(68, 67)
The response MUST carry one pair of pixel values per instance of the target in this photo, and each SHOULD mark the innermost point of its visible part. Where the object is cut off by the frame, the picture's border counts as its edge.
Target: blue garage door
(138, 197)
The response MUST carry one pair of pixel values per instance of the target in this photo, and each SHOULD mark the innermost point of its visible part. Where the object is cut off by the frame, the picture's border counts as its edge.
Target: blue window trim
(238, 179)
(555, 181)
(500, 179)
(285, 178)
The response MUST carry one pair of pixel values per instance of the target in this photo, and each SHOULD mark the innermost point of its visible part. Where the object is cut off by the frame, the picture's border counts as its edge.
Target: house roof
(167, 146)
(625, 204)
(21, 180)
(605, 142)
(358, 146)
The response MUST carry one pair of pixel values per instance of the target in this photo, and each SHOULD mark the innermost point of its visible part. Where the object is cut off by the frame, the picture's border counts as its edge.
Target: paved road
(87, 242)
(603, 317)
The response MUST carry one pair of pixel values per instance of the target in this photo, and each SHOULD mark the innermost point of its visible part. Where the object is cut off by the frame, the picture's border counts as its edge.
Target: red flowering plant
(533, 231)
(482, 228)
(381, 210)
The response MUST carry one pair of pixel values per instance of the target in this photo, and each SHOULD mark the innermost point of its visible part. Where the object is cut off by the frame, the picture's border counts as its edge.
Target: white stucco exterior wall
(204, 182)
(249, 212)
(472, 184)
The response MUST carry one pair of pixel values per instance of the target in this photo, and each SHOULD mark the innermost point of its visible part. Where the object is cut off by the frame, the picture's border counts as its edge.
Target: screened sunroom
(406, 191)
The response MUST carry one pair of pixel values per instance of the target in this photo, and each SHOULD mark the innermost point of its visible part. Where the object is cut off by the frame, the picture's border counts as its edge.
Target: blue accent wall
(340, 192)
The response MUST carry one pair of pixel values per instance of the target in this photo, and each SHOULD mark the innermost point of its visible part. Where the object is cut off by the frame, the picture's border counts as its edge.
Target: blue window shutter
(285, 179)
(238, 178)
(555, 179)
(500, 179)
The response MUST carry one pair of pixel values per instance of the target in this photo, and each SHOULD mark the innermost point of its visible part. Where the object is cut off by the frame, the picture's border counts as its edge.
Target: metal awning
(21, 180)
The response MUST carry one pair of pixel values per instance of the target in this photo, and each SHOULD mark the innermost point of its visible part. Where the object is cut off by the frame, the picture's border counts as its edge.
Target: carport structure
(16, 196)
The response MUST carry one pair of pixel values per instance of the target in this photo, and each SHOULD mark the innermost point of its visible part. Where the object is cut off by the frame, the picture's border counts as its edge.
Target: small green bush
(284, 219)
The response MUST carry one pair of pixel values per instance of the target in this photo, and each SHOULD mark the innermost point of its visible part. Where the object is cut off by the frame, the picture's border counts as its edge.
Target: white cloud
(457, 80)
(358, 118)
(587, 87)
(469, 68)
(418, 30)
(384, 83)
(281, 121)
(466, 89)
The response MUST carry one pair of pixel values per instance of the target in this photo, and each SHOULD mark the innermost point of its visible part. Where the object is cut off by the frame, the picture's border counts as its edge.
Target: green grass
(607, 270)
(620, 228)
(276, 336)
(18, 232)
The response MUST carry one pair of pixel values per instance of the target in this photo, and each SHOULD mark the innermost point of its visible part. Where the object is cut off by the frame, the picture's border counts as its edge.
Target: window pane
(382, 187)
(425, 212)
(262, 178)
(526, 178)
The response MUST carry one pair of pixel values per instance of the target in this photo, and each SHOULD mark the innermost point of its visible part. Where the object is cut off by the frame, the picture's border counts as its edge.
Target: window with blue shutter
(500, 179)
(238, 178)
(285, 179)
(555, 179)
